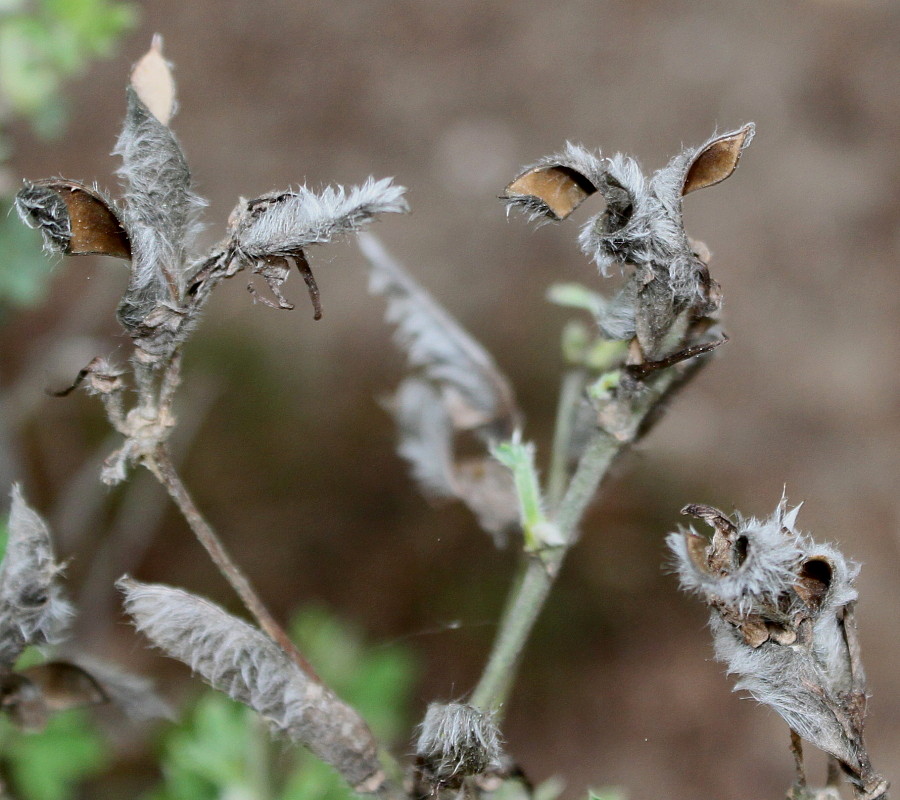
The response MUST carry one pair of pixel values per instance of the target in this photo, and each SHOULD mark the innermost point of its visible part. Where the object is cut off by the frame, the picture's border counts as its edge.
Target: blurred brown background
(290, 454)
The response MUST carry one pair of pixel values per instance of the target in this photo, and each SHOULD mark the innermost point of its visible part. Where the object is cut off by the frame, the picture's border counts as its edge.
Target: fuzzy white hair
(242, 662)
(302, 217)
(33, 609)
(778, 610)
(456, 739)
(161, 211)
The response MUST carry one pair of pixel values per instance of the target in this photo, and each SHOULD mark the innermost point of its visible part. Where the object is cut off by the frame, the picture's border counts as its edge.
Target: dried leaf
(153, 83)
(239, 660)
(32, 608)
(74, 219)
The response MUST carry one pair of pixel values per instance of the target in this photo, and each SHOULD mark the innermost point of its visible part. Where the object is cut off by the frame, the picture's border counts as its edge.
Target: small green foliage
(42, 43)
(600, 389)
(581, 346)
(212, 754)
(49, 765)
(576, 339)
(224, 750)
(518, 457)
(574, 295)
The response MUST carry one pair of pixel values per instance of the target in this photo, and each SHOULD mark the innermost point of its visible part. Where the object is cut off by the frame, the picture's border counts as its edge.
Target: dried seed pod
(641, 227)
(457, 740)
(270, 233)
(73, 218)
(781, 613)
(239, 660)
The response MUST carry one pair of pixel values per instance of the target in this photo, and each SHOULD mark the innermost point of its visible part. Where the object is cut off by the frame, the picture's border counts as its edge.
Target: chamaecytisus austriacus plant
(782, 619)
(152, 228)
(460, 426)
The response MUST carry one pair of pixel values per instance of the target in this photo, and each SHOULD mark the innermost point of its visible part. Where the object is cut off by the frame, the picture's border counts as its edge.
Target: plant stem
(572, 387)
(538, 572)
(161, 465)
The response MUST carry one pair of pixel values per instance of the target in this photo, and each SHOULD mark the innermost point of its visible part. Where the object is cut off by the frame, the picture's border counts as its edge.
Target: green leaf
(539, 532)
(574, 295)
(223, 749)
(49, 765)
(211, 754)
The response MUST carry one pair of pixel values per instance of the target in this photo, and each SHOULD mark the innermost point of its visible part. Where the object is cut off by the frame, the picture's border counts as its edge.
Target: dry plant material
(242, 662)
(781, 614)
(154, 229)
(456, 389)
(169, 285)
(34, 612)
(456, 741)
(75, 219)
(641, 228)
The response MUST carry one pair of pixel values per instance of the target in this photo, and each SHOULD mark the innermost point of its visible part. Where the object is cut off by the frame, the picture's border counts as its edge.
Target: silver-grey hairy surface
(457, 740)
(33, 610)
(155, 225)
(456, 388)
(641, 228)
(781, 615)
(249, 667)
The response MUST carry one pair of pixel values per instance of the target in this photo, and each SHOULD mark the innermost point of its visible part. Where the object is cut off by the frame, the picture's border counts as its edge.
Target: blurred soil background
(290, 454)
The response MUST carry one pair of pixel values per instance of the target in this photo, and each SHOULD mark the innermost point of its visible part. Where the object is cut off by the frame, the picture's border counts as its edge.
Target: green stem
(572, 388)
(537, 575)
(538, 572)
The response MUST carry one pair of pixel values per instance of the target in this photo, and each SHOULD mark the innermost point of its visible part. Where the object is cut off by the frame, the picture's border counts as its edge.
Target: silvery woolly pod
(457, 740)
(34, 612)
(781, 614)
(641, 227)
(239, 660)
(154, 225)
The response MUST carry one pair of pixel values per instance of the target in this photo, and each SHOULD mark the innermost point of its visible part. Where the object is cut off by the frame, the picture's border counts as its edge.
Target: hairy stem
(383, 783)
(538, 572)
(569, 395)
(161, 465)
